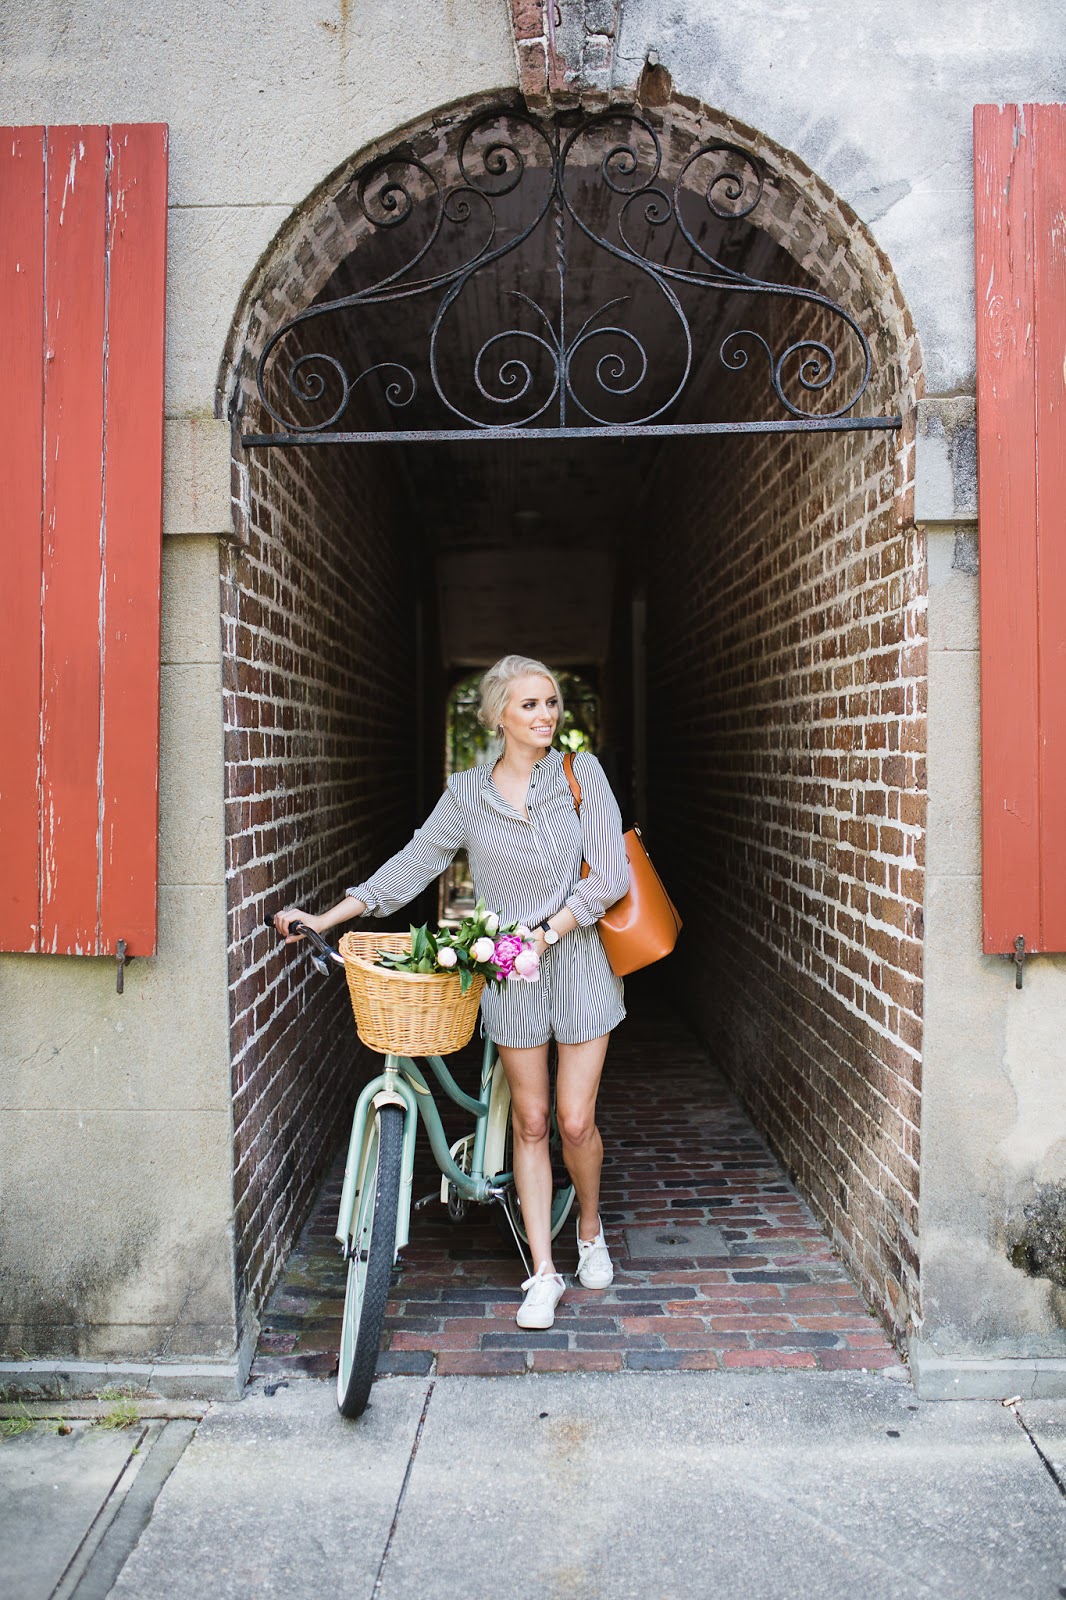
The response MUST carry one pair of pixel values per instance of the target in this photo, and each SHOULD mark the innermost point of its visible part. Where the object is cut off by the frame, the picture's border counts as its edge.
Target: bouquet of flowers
(500, 952)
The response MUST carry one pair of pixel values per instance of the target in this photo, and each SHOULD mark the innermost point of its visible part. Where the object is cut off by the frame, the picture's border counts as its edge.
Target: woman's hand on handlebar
(284, 920)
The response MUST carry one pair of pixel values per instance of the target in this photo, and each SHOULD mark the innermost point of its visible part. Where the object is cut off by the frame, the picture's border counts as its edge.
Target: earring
(499, 730)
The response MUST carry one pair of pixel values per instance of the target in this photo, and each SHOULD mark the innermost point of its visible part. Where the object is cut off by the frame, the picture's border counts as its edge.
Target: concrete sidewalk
(810, 1486)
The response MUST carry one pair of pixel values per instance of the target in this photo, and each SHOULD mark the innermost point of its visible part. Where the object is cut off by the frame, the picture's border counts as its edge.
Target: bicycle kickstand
(498, 1196)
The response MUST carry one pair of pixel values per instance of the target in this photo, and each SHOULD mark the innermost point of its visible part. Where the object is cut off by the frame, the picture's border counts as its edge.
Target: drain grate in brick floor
(719, 1262)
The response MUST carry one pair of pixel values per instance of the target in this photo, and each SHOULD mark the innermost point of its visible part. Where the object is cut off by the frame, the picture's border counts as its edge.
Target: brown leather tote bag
(643, 926)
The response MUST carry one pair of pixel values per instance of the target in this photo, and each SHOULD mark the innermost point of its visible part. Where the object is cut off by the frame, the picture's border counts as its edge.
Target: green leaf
(466, 978)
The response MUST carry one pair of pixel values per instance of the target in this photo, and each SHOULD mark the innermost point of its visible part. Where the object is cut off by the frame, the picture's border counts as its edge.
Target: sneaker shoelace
(541, 1282)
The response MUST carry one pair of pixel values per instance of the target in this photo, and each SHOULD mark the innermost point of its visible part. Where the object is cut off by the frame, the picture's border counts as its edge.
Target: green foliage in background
(468, 742)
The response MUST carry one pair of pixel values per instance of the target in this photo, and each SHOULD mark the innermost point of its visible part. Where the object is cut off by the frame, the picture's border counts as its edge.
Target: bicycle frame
(402, 1083)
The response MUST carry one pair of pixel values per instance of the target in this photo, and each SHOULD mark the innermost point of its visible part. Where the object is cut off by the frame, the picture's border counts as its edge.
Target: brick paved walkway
(719, 1263)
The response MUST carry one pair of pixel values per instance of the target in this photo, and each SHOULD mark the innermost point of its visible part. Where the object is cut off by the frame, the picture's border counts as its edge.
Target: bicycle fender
(372, 1099)
(389, 1097)
(496, 1129)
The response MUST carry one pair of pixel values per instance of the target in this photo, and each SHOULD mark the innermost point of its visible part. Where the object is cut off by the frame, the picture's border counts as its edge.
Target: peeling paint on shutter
(82, 279)
(1020, 242)
(21, 388)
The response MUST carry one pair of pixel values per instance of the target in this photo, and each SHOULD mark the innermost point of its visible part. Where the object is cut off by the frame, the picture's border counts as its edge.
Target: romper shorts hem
(536, 1046)
(576, 998)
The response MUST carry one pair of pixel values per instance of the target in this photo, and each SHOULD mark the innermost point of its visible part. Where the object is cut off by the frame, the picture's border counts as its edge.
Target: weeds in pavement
(12, 1427)
(123, 1411)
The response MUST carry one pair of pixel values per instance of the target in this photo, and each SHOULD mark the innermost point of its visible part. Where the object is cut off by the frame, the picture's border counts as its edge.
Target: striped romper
(527, 871)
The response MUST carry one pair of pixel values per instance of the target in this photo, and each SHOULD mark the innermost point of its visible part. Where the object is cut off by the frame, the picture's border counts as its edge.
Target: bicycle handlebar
(323, 950)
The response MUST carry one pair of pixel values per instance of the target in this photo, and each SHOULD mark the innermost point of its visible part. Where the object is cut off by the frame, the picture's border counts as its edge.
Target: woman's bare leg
(580, 1069)
(527, 1078)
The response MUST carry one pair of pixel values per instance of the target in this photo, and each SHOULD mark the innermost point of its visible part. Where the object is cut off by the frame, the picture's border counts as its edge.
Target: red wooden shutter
(1020, 232)
(82, 276)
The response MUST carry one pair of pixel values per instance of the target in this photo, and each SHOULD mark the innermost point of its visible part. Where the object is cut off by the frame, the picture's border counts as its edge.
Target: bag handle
(575, 787)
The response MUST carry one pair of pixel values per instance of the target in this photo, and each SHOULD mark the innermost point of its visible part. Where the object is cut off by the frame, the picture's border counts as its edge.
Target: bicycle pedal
(427, 1200)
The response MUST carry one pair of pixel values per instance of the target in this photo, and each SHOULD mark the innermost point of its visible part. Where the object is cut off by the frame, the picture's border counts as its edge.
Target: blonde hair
(495, 688)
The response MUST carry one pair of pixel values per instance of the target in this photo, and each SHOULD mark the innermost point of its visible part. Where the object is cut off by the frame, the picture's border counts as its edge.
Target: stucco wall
(994, 1125)
(878, 100)
(115, 1138)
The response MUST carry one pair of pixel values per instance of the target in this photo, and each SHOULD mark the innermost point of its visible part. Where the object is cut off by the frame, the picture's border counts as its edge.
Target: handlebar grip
(325, 951)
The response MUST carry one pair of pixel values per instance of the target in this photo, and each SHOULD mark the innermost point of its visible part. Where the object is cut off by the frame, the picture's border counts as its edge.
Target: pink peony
(527, 966)
(446, 956)
(506, 950)
(483, 949)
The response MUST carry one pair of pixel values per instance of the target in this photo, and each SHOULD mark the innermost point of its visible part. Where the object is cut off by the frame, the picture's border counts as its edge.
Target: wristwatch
(550, 935)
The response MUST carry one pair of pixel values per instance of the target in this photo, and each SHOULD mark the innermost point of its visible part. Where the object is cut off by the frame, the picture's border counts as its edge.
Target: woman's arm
(602, 844)
(400, 879)
(343, 911)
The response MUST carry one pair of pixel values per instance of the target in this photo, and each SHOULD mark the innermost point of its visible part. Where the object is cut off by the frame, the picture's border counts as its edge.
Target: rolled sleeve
(602, 845)
(425, 857)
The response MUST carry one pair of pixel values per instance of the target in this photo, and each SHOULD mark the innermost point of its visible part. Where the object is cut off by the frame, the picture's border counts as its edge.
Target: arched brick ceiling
(497, 515)
(496, 502)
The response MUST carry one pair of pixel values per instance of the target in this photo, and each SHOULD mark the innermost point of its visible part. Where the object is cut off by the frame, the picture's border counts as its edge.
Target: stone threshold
(58, 1380)
(148, 1409)
(940, 1377)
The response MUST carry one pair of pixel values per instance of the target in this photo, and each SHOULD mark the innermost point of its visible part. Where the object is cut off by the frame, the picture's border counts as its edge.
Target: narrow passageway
(719, 1262)
(747, 608)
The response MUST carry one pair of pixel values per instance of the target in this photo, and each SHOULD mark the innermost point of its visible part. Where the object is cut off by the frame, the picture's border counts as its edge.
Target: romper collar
(551, 759)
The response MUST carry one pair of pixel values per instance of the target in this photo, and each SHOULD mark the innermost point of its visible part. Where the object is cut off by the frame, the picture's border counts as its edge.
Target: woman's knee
(577, 1127)
(531, 1123)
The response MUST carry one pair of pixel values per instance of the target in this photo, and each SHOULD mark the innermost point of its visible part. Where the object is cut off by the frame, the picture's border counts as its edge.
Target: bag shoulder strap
(575, 787)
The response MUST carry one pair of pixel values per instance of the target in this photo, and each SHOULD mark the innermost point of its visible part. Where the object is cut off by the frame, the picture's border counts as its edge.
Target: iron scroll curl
(599, 184)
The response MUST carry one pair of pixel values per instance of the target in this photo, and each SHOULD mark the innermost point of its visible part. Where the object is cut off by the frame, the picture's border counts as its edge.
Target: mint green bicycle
(373, 1222)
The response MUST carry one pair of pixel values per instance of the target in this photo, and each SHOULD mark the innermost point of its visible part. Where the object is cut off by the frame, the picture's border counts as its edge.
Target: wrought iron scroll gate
(565, 202)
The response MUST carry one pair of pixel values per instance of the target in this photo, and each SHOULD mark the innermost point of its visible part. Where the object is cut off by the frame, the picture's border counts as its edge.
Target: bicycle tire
(372, 1248)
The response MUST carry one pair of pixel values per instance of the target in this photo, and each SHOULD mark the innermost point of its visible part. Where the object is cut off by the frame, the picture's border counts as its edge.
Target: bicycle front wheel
(372, 1247)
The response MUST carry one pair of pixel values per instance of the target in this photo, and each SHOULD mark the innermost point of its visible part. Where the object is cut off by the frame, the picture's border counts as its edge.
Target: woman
(514, 813)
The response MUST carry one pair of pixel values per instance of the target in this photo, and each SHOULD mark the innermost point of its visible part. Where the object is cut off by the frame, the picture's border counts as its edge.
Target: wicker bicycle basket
(406, 1013)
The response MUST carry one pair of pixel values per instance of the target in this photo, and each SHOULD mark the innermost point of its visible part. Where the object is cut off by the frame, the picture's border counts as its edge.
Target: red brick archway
(781, 581)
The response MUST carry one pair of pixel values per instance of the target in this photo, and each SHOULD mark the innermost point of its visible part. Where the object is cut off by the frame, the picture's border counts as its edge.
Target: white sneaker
(594, 1268)
(544, 1290)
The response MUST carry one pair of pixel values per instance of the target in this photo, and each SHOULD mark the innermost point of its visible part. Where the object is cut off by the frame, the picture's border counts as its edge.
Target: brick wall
(786, 681)
(318, 616)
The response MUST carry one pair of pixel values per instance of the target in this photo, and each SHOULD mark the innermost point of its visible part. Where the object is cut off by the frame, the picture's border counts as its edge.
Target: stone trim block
(945, 466)
(196, 476)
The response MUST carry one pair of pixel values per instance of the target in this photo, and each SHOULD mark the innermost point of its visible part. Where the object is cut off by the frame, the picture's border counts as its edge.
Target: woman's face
(531, 714)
